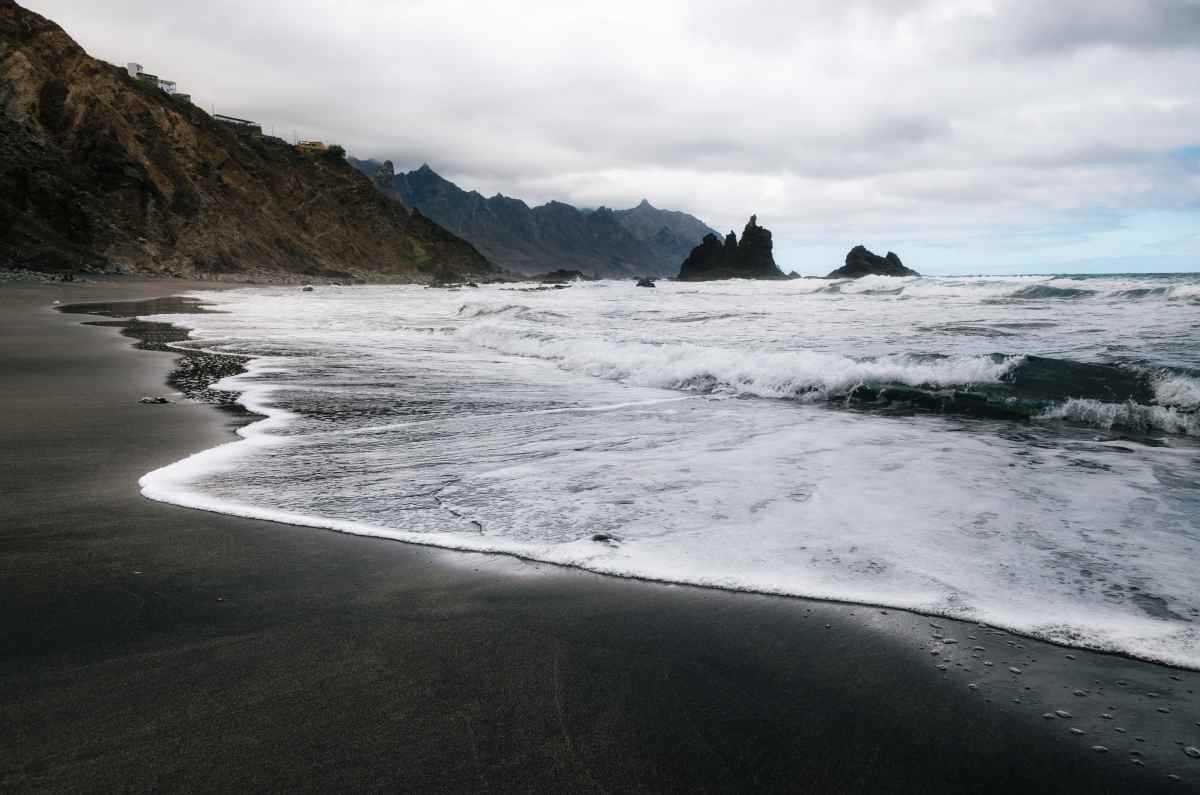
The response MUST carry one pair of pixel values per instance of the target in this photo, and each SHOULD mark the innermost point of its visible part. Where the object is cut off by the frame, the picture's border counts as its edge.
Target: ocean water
(1019, 451)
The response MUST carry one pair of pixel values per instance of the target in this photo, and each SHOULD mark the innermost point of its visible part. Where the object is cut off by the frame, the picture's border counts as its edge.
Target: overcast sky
(970, 137)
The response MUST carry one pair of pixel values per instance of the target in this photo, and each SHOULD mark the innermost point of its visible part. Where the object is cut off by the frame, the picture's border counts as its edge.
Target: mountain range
(102, 172)
(640, 241)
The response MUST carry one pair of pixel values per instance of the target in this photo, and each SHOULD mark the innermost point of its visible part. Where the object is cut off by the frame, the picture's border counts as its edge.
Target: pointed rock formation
(749, 259)
(862, 262)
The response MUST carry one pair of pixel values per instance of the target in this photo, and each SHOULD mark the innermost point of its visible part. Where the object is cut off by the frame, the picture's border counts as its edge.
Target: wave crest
(796, 374)
(1128, 416)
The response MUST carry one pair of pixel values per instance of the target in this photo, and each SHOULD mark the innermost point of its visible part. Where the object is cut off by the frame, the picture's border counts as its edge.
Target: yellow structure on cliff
(311, 147)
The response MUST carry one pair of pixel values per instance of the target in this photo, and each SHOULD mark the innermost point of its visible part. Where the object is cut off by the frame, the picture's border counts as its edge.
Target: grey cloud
(1052, 27)
(942, 118)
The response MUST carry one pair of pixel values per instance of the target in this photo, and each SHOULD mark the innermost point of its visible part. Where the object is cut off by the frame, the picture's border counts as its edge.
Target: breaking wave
(810, 375)
(1128, 416)
(994, 385)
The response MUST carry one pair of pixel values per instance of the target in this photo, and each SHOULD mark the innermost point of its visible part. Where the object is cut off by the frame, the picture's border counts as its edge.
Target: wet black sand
(144, 646)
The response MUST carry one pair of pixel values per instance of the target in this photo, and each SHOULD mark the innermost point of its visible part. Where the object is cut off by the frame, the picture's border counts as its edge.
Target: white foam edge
(171, 485)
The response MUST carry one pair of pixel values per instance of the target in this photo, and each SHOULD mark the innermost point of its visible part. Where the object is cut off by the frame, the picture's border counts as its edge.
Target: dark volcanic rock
(861, 262)
(101, 172)
(749, 259)
(647, 282)
(560, 276)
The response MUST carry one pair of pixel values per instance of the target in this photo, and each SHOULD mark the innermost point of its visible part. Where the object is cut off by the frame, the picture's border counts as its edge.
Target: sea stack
(862, 262)
(749, 259)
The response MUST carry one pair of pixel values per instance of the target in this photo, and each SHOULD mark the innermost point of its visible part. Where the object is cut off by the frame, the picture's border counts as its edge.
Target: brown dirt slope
(101, 172)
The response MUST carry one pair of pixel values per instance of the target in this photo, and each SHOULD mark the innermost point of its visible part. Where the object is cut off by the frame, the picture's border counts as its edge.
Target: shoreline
(654, 686)
(159, 336)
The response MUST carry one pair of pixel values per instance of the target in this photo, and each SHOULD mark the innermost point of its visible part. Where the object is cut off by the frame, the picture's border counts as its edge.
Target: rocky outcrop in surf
(863, 262)
(749, 259)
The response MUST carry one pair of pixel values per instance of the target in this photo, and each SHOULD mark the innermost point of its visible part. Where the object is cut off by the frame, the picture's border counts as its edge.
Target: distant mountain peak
(640, 241)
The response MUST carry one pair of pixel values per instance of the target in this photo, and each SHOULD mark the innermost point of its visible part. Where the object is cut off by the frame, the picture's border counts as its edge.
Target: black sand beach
(148, 647)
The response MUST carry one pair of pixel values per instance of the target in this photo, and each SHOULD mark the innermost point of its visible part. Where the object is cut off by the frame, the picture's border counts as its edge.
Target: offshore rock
(749, 259)
(862, 262)
(646, 282)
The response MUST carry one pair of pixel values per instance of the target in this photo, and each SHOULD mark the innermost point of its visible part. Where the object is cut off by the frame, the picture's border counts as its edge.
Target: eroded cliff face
(101, 172)
(749, 259)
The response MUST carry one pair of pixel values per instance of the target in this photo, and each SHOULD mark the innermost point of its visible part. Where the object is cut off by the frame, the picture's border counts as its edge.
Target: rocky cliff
(749, 259)
(643, 240)
(101, 172)
(862, 262)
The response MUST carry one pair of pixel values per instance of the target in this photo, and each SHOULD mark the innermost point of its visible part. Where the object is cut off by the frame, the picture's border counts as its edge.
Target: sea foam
(526, 423)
